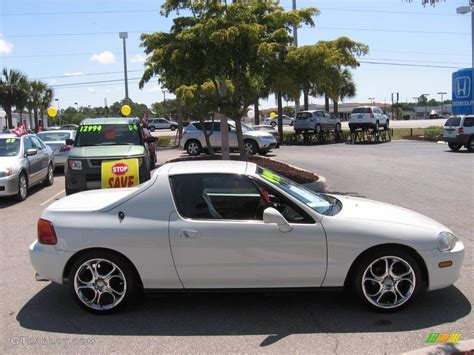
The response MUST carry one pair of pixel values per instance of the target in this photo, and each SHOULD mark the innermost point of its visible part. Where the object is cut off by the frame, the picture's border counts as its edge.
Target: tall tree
(12, 89)
(38, 91)
(345, 88)
(220, 43)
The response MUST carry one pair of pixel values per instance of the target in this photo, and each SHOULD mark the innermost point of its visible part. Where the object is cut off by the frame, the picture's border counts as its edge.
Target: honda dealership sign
(463, 92)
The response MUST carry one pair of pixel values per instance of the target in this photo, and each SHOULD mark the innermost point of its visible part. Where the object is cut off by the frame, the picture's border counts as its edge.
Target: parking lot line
(52, 198)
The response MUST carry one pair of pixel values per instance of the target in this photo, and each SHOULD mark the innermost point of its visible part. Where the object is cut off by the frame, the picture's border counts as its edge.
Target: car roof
(210, 167)
(110, 120)
(59, 131)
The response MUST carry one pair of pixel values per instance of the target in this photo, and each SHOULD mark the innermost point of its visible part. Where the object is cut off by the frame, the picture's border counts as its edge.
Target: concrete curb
(459, 348)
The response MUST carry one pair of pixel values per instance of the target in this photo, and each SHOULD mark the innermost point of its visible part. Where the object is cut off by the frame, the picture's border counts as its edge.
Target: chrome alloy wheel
(388, 282)
(100, 284)
(50, 174)
(23, 186)
(193, 148)
(249, 148)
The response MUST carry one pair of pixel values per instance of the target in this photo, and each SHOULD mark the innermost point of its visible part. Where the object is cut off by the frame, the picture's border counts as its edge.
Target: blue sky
(396, 32)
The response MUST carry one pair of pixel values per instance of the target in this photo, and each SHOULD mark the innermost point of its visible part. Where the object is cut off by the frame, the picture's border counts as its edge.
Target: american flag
(20, 130)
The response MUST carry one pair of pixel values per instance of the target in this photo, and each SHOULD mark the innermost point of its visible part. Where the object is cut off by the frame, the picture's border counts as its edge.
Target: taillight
(65, 148)
(461, 130)
(46, 233)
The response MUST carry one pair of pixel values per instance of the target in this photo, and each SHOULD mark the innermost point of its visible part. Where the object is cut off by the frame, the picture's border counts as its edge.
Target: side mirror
(272, 216)
(31, 151)
(69, 141)
(150, 139)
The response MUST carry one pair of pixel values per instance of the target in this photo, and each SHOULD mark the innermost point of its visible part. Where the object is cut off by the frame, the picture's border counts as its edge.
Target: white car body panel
(232, 254)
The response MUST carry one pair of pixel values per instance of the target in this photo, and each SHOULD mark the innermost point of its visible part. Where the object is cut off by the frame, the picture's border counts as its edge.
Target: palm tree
(346, 88)
(12, 90)
(41, 96)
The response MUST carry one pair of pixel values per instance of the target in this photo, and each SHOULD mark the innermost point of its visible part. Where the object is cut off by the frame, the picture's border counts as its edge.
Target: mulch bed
(415, 138)
(298, 175)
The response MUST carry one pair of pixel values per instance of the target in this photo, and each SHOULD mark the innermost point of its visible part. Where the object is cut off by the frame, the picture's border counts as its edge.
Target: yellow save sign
(120, 173)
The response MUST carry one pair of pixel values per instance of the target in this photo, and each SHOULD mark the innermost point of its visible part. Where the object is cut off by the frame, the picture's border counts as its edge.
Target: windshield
(9, 147)
(108, 134)
(320, 203)
(53, 136)
(246, 128)
(362, 110)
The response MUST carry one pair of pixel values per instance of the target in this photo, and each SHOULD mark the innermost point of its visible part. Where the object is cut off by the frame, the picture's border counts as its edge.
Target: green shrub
(433, 133)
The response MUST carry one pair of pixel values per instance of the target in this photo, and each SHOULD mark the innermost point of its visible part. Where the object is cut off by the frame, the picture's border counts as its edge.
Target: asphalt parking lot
(426, 177)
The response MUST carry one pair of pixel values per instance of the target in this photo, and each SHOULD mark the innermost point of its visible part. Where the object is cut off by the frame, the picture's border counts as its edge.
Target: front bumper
(443, 277)
(9, 185)
(48, 262)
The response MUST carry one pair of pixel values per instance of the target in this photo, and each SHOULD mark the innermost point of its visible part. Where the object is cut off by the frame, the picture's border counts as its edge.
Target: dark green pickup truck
(105, 139)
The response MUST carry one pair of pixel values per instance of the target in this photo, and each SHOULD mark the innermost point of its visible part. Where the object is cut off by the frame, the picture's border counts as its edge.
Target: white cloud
(138, 58)
(105, 57)
(91, 90)
(75, 73)
(5, 46)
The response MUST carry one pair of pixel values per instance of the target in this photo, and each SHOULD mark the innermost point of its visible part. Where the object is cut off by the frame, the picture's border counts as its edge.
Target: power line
(92, 82)
(416, 61)
(69, 34)
(86, 74)
(409, 65)
(386, 12)
(60, 55)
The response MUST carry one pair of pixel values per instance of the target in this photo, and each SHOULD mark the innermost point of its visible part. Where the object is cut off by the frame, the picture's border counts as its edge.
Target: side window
(229, 196)
(327, 115)
(319, 114)
(37, 144)
(27, 143)
(469, 122)
(216, 196)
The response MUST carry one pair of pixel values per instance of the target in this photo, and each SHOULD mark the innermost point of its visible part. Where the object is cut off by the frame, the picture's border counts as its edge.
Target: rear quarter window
(453, 121)
(469, 122)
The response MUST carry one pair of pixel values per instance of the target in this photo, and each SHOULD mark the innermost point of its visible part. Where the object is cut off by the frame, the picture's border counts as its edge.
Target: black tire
(377, 126)
(454, 146)
(125, 279)
(251, 147)
(387, 125)
(372, 260)
(317, 129)
(193, 147)
(49, 180)
(71, 191)
(470, 145)
(151, 128)
(173, 128)
(338, 127)
(273, 124)
(22, 194)
(291, 124)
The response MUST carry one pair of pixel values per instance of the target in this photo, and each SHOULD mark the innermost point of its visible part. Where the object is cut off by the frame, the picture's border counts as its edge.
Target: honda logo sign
(462, 87)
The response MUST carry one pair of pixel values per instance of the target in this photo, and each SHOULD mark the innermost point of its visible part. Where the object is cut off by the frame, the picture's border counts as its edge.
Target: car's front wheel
(388, 279)
(49, 180)
(173, 128)
(317, 129)
(454, 146)
(387, 125)
(250, 147)
(338, 127)
(151, 128)
(273, 124)
(193, 147)
(22, 187)
(103, 282)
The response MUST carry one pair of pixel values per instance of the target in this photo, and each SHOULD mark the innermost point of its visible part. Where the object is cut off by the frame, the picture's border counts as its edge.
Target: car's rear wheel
(338, 127)
(22, 193)
(102, 282)
(273, 124)
(49, 180)
(387, 125)
(151, 128)
(173, 128)
(193, 147)
(470, 144)
(376, 127)
(317, 129)
(454, 146)
(250, 147)
(388, 279)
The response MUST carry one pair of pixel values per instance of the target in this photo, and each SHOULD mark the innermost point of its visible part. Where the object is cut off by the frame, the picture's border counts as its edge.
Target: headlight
(446, 241)
(268, 138)
(75, 164)
(6, 172)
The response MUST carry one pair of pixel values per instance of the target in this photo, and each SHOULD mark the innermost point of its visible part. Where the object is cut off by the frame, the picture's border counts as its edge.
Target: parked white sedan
(233, 225)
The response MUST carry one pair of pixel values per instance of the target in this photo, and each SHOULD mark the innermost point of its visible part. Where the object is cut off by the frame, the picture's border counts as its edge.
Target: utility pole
(465, 10)
(124, 36)
(295, 41)
(426, 104)
(442, 101)
(164, 102)
(59, 113)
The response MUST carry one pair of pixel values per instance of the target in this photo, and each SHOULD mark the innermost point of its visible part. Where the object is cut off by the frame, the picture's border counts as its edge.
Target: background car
(25, 161)
(316, 121)
(269, 129)
(458, 131)
(193, 139)
(56, 140)
(365, 117)
(161, 123)
(286, 120)
(70, 127)
(207, 225)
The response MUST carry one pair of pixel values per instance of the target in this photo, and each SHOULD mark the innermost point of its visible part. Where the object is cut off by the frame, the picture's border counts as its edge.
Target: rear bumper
(9, 185)
(48, 262)
(367, 125)
(304, 125)
(460, 139)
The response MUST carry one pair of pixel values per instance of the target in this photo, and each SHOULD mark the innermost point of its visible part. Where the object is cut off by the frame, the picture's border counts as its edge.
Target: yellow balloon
(126, 110)
(273, 114)
(52, 111)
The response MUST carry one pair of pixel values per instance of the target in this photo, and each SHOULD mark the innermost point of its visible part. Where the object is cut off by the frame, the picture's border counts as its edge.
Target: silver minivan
(316, 121)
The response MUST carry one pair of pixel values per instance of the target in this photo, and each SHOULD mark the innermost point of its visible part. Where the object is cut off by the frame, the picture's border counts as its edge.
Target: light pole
(442, 101)
(371, 100)
(164, 102)
(426, 103)
(465, 10)
(124, 36)
(295, 42)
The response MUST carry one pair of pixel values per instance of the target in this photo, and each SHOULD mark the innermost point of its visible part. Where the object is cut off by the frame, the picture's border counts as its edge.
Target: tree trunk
(326, 103)
(206, 135)
(240, 138)
(306, 99)
(224, 136)
(280, 115)
(256, 110)
(336, 107)
(30, 114)
(35, 111)
(8, 111)
(180, 123)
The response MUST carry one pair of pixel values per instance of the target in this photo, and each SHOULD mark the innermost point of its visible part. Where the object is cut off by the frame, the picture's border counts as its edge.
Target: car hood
(257, 134)
(370, 210)
(92, 200)
(107, 151)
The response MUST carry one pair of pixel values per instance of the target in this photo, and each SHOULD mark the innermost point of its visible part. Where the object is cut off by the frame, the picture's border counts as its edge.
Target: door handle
(188, 233)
